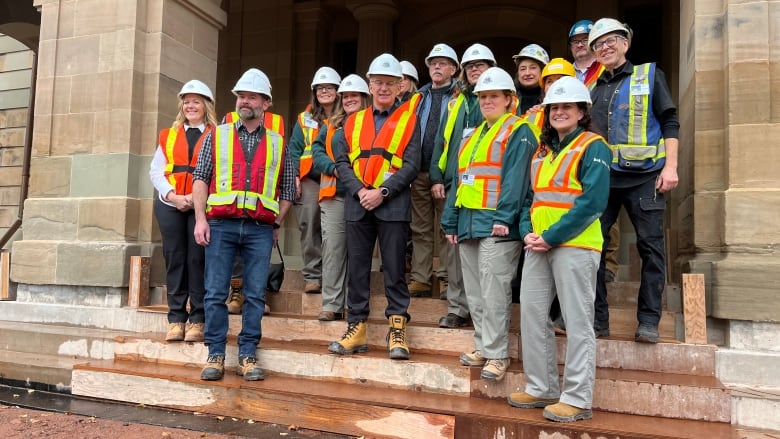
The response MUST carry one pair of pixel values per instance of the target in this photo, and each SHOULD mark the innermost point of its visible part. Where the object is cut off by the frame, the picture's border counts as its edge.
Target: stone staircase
(668, 390)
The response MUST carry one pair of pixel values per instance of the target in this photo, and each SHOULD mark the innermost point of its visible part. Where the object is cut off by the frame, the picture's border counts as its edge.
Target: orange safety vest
(377, 156)
(592, 75)
(310, 128)
(240, 189)
(179, 166)
(556, 186)
(271, 121)
(328, 182)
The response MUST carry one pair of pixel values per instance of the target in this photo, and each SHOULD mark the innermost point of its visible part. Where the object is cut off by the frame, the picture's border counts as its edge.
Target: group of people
(494, 166)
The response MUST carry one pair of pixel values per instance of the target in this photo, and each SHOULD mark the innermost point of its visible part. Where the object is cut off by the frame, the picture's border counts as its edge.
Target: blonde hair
(210, 113)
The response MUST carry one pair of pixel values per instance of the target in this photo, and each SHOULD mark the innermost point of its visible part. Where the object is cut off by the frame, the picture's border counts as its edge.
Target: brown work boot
(396, 338)
(419, 289)
(214, 368)
(524, 400)
(562, 412)
(494, 369)
(248, 368)
(175, 332)
(474, 358)
(194, 332)
(236, 300)
(312, 288)
(353, 340)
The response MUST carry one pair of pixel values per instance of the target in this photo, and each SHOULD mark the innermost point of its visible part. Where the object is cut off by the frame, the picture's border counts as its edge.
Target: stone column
(312, 49)
(375, 34)
(108, 75)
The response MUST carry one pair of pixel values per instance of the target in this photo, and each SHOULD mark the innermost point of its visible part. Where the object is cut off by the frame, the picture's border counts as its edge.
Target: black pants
(184, 262)
(361, 236)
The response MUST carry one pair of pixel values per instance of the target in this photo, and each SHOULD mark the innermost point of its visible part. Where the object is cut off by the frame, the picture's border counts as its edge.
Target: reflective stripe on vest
(556, 186)
(479, 164)
(309, 134)
(179, 167)
(453, 112)
(535, 121)
(328, 182)
(592, 76)
(376, 156)
(237, 187)
(634, 132)
(271, 121)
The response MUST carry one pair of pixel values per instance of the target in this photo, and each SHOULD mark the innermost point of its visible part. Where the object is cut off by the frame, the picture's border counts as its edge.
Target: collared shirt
(204, 171)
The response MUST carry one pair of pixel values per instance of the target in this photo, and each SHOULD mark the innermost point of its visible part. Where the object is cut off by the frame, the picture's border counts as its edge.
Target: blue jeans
(645, 207)
(254, 242)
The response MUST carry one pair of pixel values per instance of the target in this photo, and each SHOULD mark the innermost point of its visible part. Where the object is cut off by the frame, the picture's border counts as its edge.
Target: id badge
(640, 89)
(467, 179)
(467, 132)
(310, 123)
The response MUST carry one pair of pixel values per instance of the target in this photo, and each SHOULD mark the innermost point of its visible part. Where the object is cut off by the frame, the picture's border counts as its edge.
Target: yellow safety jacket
(310, 128)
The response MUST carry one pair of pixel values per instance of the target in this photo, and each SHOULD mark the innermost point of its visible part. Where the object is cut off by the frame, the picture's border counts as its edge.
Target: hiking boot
(396, 338)
(452, 320)
(646, 333)
(524, 400)
(473, 359)
(312, 288)
(248, 368)
(329, 316)
(419, 289)
(601, 329)
(562, 412)
(494, 369)
(175, 332)
(559, 326)
(236, 301)
(194, 332)
(353, 340)
(214, 368)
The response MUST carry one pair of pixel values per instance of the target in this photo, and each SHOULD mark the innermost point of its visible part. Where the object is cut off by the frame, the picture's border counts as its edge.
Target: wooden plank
(694, 310)
(139, 281)
(5, 269)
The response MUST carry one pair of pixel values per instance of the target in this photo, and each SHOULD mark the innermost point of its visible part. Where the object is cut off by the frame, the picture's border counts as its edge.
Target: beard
(246, 113)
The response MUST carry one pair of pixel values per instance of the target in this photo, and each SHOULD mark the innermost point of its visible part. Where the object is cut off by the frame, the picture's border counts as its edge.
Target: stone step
(756, 407)
(357, 409)
(68, 341)
(738, 367)
(30, 368)
(697, 397)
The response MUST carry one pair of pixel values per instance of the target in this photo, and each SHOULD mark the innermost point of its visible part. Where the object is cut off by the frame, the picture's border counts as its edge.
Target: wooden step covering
(358, 410)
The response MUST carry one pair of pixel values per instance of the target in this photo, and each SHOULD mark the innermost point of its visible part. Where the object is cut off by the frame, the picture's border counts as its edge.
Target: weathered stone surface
(50, 177)
(73, 295)
(756, 411)
(11, 156)
(10, 176)
(745, 286)
(34, 262)
(108, 219)
(749, 368)
(747, 85)
(12, 137)
(756, 336)
(72, 133)
(9, 196)
(747, 31)
(94, 263)
(76, 56)
(13, 118)
(710, 101)
(50, 219)
(86, 183)
(745, 143)
(751, 218)
(148, 231)
(103, 16)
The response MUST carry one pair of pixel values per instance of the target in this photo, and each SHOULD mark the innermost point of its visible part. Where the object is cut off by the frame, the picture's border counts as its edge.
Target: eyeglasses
(575, 43)
(609, 43)
(320, 88)
(379, 84)
(475, 66)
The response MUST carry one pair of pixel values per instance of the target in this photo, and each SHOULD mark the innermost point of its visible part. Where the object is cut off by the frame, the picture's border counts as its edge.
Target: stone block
(87, 183)
(34, 262)
(747, 31)
(73, 295)
(108, 219)
(76, 56)
(708, 228)
(152, 51)
(91, 92)
(12, 137)
(47, 57)
(9, 196)
(8, 215)
(754, 336)
(41, 141)
(774, 74)
(147, 225)
(10, 176)
(754, 411)
(67, 12)
(113, 128)
(748, 99)
(745, 286)
(53, 219)
(94, 263)
(72, 133)
(11, 156)
(94, 17)
(751, 219)
(206, 40)
(747, 368)
(710, 103)
(117, 50)
(44, 96)
(745, 144)
(708, 159)
(178, 23)
(13, 118)
(182, 63)
(154, 16)
(139, 184)
(50, 176)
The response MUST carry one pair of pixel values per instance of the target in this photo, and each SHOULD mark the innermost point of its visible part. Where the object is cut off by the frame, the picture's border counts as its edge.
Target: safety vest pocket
(636, 158)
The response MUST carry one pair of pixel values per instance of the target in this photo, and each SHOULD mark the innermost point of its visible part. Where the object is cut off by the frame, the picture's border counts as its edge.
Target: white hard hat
(197, 87)
(444, 51)
(477, 52)
(325, 75)
(253, 80)
(354, 83)
(494, 78)
(567, 89)
(409, 70)
(607, 25)
(385, 64)
(533, 51)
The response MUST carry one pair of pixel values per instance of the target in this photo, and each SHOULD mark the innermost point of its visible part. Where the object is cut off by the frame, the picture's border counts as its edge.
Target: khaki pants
(334, 255)
(307, 212)
(426, 216)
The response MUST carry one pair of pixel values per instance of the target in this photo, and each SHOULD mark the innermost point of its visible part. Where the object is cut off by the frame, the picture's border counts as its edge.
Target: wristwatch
(384, 191)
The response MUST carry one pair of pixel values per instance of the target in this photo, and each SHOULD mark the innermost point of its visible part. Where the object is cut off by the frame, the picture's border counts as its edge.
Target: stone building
(108, 72)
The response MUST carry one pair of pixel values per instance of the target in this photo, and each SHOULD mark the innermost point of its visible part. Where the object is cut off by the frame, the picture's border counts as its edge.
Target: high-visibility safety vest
(310, 128)
(375, 156)
(453, 111)
(328, 182)
(479, 164)
(179, 166)
(634, 131)
(535, 121)
(245, 189)
(556, 186)
(271, 121)
(592, 74)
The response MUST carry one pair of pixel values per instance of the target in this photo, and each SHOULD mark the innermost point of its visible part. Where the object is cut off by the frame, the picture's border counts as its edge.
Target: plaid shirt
(204, 170)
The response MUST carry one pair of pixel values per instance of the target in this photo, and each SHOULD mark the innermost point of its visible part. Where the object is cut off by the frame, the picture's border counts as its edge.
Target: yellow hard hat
(557, 66)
